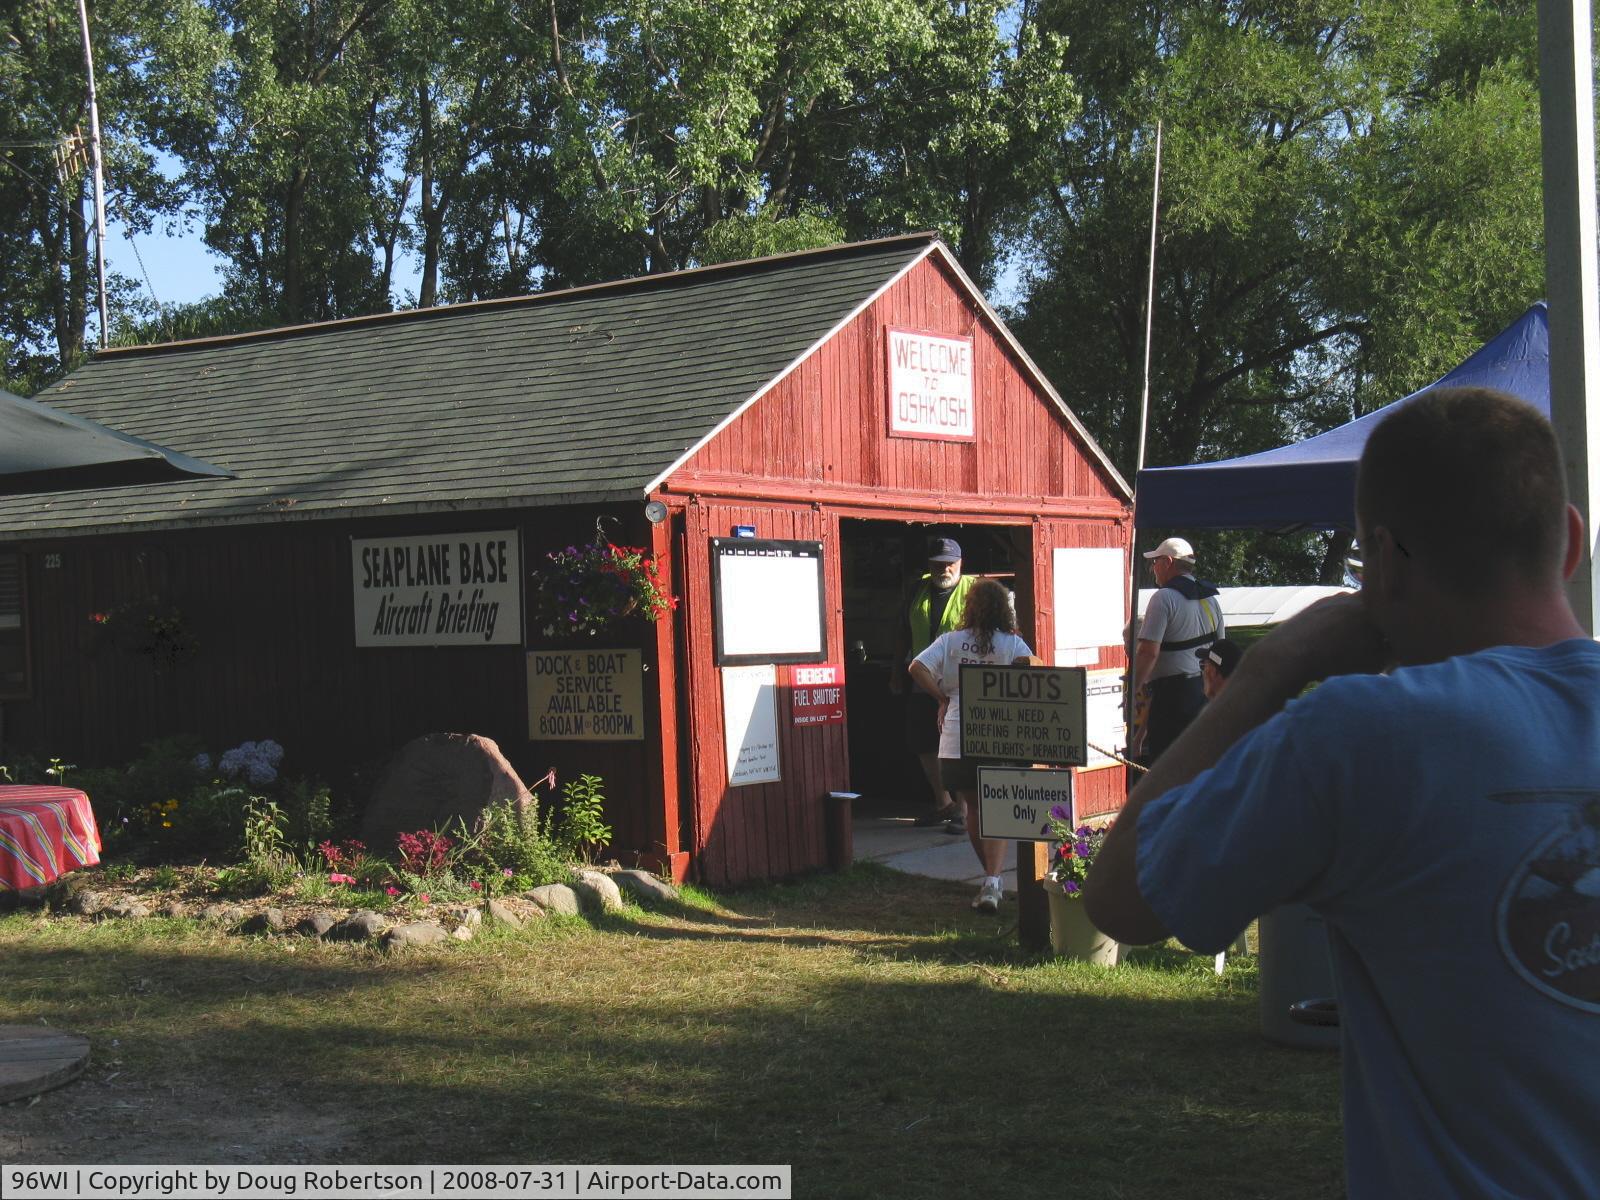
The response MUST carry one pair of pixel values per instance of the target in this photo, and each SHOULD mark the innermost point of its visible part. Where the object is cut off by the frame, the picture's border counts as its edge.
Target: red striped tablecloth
(44, 832)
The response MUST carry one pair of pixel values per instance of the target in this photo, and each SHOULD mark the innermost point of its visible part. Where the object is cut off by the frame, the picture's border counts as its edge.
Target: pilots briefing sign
(438, 589)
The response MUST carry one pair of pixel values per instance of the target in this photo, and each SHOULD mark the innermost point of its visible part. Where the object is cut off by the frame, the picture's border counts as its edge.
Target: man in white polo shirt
(1182, 617)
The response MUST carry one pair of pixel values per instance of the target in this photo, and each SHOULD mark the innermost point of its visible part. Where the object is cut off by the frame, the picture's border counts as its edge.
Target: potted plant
(1071, 934)
(582, 590)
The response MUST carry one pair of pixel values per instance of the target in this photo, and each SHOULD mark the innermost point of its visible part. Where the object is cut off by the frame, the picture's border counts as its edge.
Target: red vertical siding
(766, 830)
(816, 446)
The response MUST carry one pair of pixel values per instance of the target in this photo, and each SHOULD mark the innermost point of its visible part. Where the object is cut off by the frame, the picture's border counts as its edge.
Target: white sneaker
(988, 898)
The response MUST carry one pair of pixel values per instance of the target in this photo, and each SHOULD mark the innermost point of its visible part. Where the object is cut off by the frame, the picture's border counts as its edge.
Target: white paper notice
(1108, 727)
(1090, 592)
(750, 724)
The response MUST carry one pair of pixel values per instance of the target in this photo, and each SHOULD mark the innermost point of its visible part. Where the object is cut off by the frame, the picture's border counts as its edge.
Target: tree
(1350, 202)
(294, 180)
(153, 62)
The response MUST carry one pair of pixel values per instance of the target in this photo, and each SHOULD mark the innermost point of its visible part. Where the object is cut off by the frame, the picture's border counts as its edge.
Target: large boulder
(435, 781)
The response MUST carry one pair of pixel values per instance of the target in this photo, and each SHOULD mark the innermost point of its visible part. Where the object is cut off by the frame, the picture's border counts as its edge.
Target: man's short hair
(1470, 482)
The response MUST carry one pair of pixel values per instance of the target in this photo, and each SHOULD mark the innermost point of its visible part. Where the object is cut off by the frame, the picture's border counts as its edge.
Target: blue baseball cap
(943, 550)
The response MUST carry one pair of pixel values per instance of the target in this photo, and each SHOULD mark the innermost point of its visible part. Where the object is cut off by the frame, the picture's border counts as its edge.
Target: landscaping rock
(315, 925)
(359, 926)
(555, 897)
(226, 914)
(419, 933)
(642, 885)
(173, 908)
(87, 904)
(435, 780)
(596, 890)
(456, 917)
(125, 910)
(268, 920)
(513, 911)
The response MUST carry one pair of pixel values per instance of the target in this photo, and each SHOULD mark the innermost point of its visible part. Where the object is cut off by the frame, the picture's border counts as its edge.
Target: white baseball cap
(1173, 548)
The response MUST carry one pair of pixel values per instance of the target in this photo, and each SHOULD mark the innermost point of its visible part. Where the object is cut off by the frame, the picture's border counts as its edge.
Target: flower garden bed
(335, 913)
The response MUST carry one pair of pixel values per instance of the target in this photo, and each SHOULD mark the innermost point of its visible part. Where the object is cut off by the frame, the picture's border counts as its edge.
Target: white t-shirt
(944, 659)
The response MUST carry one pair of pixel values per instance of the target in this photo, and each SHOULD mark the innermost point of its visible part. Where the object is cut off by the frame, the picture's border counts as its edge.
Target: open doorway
(881, 562)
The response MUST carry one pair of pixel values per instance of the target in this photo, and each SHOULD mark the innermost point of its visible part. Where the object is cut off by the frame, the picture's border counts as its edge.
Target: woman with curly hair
(988, 634)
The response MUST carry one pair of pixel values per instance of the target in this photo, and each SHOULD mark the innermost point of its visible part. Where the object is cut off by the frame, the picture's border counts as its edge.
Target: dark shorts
(922, 722)
(958, 774)
(1175, 700)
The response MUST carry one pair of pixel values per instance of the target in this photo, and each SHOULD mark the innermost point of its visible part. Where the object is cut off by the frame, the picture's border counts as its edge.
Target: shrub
(515, 839)
(583, 832)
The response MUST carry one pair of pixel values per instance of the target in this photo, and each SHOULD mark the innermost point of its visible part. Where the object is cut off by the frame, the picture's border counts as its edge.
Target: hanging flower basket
(583, 590)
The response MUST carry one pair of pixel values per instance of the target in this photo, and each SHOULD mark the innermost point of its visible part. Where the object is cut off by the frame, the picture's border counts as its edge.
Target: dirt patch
(107, 1116)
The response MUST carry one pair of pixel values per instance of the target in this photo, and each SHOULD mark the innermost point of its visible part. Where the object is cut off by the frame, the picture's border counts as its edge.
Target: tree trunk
(432, 216)
(293, 280)
(77, 308)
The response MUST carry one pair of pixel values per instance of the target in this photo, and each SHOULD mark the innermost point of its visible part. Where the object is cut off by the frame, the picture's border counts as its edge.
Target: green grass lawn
(866, 1029)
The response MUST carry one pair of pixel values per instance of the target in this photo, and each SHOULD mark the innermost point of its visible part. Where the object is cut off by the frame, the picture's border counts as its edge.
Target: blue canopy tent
(1311, 484)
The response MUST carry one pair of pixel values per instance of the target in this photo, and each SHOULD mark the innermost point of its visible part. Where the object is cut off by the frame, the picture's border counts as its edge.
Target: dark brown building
(855, 398)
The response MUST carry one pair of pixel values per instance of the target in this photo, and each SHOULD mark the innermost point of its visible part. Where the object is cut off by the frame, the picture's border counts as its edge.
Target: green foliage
(513, 838)
(1349, 204)
(268, 863)
(165, 877)
(582, 831)
(740, 235)
(307, 810)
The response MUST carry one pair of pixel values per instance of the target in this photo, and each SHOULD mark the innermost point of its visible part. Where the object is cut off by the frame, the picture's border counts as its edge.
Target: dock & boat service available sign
(438, 589)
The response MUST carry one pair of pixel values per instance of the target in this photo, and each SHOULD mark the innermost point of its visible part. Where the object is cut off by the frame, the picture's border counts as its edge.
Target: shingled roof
(585, 395)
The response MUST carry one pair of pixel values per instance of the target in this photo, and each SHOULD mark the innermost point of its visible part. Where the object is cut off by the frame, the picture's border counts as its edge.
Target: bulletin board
(769, 601)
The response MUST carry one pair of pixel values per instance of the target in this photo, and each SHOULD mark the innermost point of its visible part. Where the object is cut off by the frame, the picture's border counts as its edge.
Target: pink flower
(475, 886)
(506, 872)
(336, 877)
(392, 890)
(425, 898)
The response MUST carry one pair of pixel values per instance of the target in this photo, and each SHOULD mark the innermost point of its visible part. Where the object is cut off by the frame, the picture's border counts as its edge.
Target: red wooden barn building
(367, 577)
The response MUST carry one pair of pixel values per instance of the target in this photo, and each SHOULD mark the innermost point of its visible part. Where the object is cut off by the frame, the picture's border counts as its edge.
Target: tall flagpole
(99, 177)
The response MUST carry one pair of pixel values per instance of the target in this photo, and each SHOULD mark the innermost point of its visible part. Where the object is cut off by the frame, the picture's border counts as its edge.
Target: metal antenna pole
(99, 176)
(1149, 309)
(1144, 423)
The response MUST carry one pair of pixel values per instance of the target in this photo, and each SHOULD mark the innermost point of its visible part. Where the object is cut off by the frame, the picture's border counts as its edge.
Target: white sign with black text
(1015, 802)
(1023, 714)
(438, 589)
(930, 385)
(750, 724)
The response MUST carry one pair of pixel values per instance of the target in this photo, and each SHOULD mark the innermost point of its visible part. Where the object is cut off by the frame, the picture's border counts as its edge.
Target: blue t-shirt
(1445, 821)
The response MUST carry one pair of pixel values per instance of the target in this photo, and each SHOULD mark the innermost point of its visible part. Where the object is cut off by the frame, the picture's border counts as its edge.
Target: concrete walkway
(896, 842)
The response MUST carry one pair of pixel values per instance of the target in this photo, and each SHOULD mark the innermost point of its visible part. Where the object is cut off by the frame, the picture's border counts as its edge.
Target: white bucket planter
(1071, 934)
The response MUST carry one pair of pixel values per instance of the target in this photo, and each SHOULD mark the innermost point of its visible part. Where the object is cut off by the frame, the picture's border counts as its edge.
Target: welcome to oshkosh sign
(930, 385)
(438, 589)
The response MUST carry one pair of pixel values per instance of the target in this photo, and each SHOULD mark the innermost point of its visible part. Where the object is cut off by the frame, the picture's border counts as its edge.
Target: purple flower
(1058, 813)
(1085, 831)
(1081, 849)
(1070, 887)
